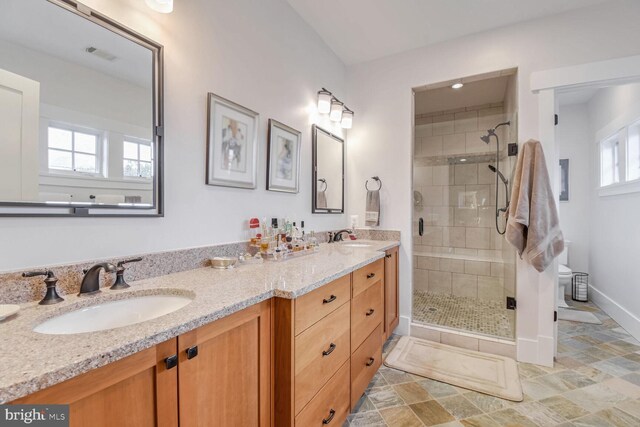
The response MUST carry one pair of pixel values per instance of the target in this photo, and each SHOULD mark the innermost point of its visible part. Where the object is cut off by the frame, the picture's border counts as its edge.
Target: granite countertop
(33, 361)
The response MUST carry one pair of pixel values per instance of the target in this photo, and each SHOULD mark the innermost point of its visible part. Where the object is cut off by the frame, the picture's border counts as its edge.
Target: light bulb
(457, 85)
(324, 101)
(336, 110)
(347, 119)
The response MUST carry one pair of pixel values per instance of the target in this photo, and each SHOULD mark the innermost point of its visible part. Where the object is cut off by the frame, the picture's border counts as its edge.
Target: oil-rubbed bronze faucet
(337, 237)
(91, 280)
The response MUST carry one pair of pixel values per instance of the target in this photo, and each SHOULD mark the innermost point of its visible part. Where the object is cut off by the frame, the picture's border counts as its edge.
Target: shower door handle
(421, 226)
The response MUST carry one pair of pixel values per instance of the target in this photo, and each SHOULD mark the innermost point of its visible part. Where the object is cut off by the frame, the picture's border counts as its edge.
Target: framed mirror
(81, 102)
(328, 172)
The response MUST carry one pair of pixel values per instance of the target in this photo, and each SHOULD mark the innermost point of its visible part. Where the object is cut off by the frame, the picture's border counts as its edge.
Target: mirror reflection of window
(73, 151)
(137, 159)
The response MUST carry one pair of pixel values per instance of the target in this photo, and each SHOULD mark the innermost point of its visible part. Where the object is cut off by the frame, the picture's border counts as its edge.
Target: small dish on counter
(7, 310)
(223, 262)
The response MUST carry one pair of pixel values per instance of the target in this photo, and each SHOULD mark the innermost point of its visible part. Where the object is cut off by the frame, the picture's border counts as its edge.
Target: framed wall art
(283, 158)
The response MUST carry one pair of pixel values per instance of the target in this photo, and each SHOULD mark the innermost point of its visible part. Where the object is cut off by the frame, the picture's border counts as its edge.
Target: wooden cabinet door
(138, 390)
(391, 292)
(225, 371)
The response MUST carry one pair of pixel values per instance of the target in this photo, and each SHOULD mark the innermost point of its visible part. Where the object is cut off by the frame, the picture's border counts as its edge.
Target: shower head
(487, 138)
(502, 178)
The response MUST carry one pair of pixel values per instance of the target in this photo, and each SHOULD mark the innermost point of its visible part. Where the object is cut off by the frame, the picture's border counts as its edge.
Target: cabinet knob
(171, 361)
(329, 350)
(388, 255)
(327, 420)
(371, 275)
(192, 352)
(332, 298)
(371, 361)
(370, 312)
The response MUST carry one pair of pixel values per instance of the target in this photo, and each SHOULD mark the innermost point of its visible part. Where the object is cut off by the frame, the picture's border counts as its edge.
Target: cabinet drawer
(319, 353)
(317, 304)
(330, 406)
(365, 362)
(367, 311)
(367, 275)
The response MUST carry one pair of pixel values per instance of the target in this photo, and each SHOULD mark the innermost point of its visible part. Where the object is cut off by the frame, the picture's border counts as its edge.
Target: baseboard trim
(403, 326)
(621, 315)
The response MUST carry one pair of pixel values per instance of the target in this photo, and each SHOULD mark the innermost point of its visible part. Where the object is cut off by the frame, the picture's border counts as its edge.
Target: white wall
(380, 93)
(259, 54)
(614, 224)
(574, 141)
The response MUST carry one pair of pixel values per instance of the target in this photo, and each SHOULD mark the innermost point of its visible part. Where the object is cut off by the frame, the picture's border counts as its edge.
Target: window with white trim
(73, 150)
(610, 151)
(633, 152)
(137, 158)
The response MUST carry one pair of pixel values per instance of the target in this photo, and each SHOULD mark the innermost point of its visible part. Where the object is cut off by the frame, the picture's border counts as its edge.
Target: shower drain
(432, 309)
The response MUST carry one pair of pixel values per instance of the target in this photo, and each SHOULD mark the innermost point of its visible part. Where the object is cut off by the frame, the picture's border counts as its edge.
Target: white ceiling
(362, 30)
(47, 28)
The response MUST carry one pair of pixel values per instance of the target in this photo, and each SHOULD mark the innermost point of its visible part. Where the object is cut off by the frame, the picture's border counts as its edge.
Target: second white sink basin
(113, 314)
(357, 245)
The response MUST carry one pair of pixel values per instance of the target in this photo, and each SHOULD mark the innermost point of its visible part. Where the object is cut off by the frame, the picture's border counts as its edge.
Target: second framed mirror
(328, 172)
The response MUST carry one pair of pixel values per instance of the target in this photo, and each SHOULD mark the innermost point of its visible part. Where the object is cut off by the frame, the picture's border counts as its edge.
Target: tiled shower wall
(460, 252)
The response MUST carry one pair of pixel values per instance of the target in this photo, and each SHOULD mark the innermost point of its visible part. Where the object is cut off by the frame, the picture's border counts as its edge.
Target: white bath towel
(372, 209)
(532, 225)
(321, 199)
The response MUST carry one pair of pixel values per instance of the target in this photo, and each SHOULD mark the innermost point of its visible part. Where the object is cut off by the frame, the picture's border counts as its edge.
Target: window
(72, 150)
(137, 159)
(610, 161)
(633, 152)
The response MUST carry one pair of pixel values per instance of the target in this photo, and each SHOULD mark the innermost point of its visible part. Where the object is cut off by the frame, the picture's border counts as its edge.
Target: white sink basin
(357, 245)
(113, 314)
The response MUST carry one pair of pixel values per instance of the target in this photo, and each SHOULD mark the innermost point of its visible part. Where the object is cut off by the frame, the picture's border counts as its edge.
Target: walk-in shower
(463, 270)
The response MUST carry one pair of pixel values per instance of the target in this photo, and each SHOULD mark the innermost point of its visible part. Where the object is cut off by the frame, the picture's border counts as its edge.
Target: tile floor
(595, 383)
(467, 314)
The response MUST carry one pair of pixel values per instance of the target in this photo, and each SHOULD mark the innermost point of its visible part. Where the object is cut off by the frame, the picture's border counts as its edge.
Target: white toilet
(564, 274)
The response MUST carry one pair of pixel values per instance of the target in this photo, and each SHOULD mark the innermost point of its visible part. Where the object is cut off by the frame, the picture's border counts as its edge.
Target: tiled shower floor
(463, 313)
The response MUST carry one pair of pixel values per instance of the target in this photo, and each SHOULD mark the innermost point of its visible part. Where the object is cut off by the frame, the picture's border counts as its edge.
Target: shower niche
(463, 269)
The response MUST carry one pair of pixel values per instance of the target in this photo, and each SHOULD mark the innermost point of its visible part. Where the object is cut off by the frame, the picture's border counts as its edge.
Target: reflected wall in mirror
(328, 172)
(80, 100)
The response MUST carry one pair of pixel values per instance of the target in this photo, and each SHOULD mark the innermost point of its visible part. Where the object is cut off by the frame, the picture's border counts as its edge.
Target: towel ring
(375, 178)
(324, 181)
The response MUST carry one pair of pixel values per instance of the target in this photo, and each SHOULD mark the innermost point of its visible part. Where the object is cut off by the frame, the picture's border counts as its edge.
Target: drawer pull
(329, 350)
(332, 298)
(370, 312)
(171, 361)
(371, 361)
(327, 420)
(371, 275)
(388, 255)
(192, 352)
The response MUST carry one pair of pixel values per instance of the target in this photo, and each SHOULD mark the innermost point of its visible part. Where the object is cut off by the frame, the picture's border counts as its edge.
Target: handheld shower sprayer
(496, 169)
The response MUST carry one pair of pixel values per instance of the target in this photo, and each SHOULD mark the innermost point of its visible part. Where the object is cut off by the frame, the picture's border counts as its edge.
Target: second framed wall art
(283, 158)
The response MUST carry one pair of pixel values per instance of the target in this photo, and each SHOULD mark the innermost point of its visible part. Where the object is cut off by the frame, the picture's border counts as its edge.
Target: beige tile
(479, 268)
(417, 147)
(423, 130)
(489, 117)
(455, 237)
(443, 125)
(624, 387)
(465, 217)
(443, 175)
(487, 216)
(466, 121)
(498, 348)
(482, 193)
(466, 174)
(412, 392)
(618, 418)
(455, 195)
(425, 333)
(454, 143)
(428, 263)
(441, 216)
(564, 407)
(479, 421)
(439, 282)
(477, 238)
(422, 175)
(459, 341)
(423, 120)
(464, 285)
(432, 195)
(432, 236)
(452, 265)
(431, 413)
(474, 144)
(497, 269)
(420, 280)
(485, 176)
(490, 288)
(431, 146)
(401, 416)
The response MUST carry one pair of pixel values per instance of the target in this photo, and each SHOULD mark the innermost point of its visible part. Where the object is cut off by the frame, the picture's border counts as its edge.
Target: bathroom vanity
(291, 343)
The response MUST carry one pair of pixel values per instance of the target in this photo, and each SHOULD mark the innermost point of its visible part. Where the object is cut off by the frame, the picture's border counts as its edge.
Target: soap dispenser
(51, 296)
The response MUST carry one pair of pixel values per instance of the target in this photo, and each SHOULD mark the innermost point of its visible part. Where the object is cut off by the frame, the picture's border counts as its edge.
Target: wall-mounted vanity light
(338, 112)
(347, 118)
(162, 6)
